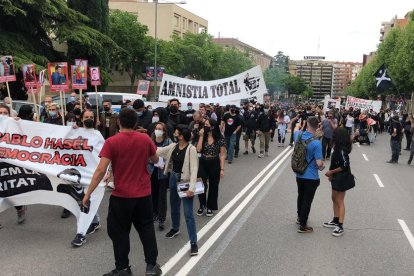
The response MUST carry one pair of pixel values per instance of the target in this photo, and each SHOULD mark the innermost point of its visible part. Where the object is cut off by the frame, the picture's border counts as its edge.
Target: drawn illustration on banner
(7, 72)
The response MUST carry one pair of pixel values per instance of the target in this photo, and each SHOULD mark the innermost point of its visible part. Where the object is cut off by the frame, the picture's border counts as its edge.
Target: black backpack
(299, 162)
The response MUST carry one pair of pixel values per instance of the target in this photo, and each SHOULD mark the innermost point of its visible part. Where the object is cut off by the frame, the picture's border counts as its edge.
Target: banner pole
(97, 104)
(81, 99)
(34, 103)
(8, 92)
(63, 110)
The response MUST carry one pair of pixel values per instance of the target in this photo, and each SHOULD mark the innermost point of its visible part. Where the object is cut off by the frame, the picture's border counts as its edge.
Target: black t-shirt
(178, 159)
(398, 127)
(232, 123)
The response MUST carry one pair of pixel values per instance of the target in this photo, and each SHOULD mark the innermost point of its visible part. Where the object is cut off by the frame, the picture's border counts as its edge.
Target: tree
(280, 61)
(98, 13)
(28, 29)
(296, 85)
(130, 35)
(276, 79)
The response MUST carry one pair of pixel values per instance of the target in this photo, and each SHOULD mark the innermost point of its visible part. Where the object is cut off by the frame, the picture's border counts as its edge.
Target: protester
(182, 164)
(309, 181)
(189, 112)
(407, 130)
(212, 147)
(159, 180)
(54, 115)
(265, 123)
(231, 124)
(396, 132)
(238, 133)
(176, 118)
(328, 127)
(108, 120)
(130, 202)
(144, 116)
(250, 123)
(5, 112)
(7, 101)
(71, 102)
(88, 121)
(282, 124)
(349, 123)
(44, 107)
(339, 165)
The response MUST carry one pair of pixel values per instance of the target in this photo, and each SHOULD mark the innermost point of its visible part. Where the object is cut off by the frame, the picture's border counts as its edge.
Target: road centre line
(177, 257)
(407, 232)
(378, 180)
(365, 157)
(216, 235)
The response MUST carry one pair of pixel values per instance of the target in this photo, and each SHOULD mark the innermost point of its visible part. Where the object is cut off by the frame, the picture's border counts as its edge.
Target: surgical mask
(140, 113)
(88, 123)
(158, 133)
(150, 109)
(71, 124)
(189, 107)
(52, 113)
(72, 99)
(155, 119)
(266, 110)
(130, 107)
(3, 115)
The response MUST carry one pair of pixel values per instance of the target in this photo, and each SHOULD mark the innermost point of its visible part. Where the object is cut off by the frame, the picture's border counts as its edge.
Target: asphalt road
(255, 231)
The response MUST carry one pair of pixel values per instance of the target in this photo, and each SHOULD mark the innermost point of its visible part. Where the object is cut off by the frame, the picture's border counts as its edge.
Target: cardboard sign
(143, 87)
(7, 72)
(79, 74)
(58, 76)
(29, 77)
(95, 76)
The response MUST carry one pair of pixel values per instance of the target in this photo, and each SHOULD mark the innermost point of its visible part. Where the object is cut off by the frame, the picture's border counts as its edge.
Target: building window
(176, 20)
(184, 26)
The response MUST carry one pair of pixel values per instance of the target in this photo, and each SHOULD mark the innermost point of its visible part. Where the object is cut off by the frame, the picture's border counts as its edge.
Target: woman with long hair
(339, 165)
(159, 180)
(212, 147)
(182, 164)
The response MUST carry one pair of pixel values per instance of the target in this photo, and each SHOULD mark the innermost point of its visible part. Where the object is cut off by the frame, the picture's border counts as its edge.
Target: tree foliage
(397, 53)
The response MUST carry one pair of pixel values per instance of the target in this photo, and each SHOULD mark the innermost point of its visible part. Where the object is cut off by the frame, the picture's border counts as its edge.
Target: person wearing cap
(210, 113)
(189, 112)
(144, 116)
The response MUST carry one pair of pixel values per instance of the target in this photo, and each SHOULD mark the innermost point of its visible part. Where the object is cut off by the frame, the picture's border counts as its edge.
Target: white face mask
(158, 133)
(155, 119)
(3, 115)
(71, 124)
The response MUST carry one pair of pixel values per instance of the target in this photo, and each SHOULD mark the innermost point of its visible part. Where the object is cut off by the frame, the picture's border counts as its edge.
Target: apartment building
(171, 19)
(257, 56)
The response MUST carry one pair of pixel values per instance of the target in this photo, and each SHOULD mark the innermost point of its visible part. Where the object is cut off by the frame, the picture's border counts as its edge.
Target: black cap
(138, 104)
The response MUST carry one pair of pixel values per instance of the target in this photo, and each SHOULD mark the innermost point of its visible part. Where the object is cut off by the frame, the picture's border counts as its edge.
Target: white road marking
(407, 232)
(365, 157)
(378, 180)
(184, 250)
(216, 235)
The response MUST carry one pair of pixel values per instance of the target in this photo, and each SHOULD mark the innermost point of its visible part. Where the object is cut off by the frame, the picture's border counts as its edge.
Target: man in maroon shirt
(130, 202)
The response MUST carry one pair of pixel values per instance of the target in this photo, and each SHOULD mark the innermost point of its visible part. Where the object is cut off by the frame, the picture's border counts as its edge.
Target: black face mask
(77, 111)
(88, 123)
(106, 109)
(173, 109)
(207, 129)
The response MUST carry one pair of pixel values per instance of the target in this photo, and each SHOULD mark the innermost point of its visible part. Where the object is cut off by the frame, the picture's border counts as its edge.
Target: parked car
(18, 104)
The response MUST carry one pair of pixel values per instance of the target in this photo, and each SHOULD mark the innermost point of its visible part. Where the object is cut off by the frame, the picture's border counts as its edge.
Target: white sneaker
(261, 155)
(338, 231)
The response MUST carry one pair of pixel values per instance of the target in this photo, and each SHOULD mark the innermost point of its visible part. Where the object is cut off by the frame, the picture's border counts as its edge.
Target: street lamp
(156, 40)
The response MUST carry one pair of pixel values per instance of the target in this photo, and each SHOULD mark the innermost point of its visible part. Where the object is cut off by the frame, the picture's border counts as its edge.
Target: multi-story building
(257, 57)
(325, 77)
(171, 19)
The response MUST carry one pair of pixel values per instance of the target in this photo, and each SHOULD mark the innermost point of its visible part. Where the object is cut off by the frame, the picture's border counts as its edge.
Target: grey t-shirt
(327, 128)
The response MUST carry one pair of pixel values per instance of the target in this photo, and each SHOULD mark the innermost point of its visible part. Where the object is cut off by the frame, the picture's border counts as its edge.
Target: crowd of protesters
(197, 143)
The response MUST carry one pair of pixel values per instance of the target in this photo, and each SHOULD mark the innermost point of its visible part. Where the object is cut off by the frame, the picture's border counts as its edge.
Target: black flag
(383, 82)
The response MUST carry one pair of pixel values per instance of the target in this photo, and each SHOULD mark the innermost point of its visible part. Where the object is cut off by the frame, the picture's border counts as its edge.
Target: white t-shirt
(349, 121)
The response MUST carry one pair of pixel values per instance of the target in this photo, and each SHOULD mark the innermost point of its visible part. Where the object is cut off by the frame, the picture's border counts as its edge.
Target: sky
(344, 30)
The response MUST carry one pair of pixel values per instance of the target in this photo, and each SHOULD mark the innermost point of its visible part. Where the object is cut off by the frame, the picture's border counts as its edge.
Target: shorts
(251, 136)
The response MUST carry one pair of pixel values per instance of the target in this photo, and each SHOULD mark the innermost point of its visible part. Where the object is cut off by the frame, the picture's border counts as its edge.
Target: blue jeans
(230, 142)
(175, 202)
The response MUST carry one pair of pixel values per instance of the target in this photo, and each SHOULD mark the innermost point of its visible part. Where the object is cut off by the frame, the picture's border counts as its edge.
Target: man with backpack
(306, 161)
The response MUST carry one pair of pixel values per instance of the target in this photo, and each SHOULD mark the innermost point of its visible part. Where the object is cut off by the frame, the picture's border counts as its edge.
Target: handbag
(183, 186)
(343, 181)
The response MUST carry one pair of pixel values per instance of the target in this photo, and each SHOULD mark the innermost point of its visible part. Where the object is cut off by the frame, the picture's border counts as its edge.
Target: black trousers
(306, 192)
(326, 147)
(292, 134)
(237, 144)
(159, 195)
(122, 213)
(210, 173)
(409, 137)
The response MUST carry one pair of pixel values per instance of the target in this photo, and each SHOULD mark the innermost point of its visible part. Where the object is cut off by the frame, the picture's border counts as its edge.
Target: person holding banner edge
(130, 202)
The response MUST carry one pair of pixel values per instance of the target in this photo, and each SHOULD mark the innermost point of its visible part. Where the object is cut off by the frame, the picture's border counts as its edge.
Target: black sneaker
(246, 152)
(194, 249)
(254, 150)
(209, 213)
(122, 272)
(1, 226)
(330, 224)
(93, 227)
(172, 233)
(236, 155)
(230, 162)
(153, 270)
(79, 240)
(338, 231)
(65, 214)
(200, 212)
